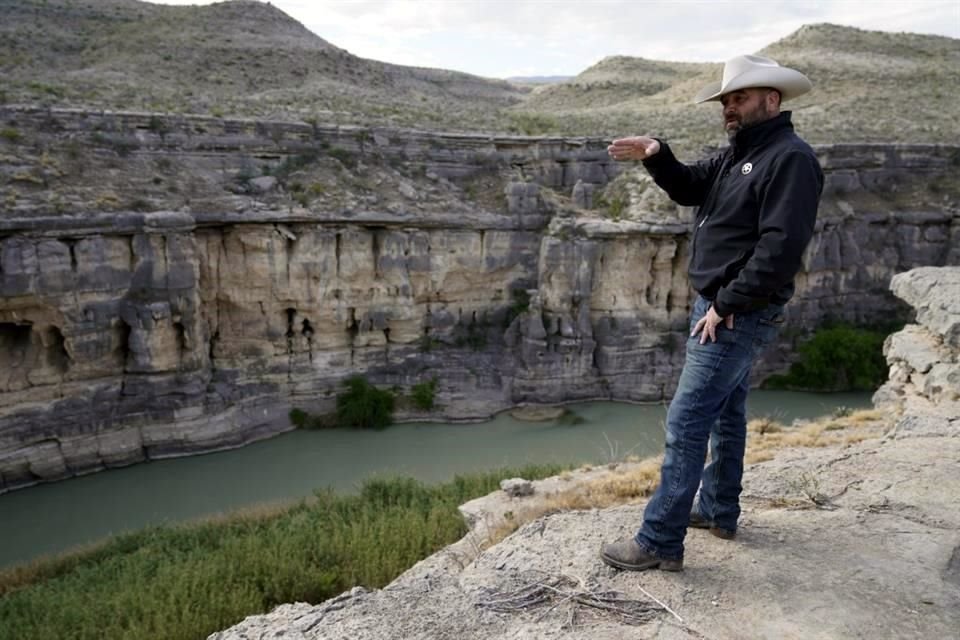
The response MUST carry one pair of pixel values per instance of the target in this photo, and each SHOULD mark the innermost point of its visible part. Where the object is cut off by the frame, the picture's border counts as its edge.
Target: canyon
(176, 284)
(853, 537)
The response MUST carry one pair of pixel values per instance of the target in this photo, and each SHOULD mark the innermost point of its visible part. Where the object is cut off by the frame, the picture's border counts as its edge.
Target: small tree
(363, 405)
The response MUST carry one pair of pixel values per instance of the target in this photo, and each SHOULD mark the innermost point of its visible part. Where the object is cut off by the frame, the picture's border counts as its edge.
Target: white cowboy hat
(744, 72)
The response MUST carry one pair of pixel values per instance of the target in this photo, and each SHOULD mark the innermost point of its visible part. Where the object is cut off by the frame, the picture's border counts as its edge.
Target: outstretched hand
(634, 148)
(708, 325)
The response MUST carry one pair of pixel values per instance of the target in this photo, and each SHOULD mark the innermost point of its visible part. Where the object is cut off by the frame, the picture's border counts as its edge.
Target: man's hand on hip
(708, 325)
(634, 148)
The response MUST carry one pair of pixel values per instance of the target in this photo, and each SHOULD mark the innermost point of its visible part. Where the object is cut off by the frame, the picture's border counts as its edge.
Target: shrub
(839, 358)
(293, 163)
(298, 417)
(10, 135)
(345, 158)
(364, 406)
(520, 304)
(303, 420)
(191, 580)
(423, 394)
(532, 124)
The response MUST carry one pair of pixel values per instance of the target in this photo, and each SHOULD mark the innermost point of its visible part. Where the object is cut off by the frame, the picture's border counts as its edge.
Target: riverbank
(54, 517)
(851, 529)
(186, 581)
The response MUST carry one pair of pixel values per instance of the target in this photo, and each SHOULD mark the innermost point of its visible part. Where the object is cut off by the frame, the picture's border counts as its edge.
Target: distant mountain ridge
(539, 79)
(247, 58)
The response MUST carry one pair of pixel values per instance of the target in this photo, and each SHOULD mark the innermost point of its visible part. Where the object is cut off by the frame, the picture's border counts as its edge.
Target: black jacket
(757, 204)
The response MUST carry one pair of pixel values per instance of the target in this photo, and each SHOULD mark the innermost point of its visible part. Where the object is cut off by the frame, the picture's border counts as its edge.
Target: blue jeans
(710, 403)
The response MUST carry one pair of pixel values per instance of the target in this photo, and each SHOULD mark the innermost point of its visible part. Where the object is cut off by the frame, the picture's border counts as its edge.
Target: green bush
(423, 394)
(364, 406)
(520, 304)
(303, 420)
(298, 417)
(345, 158)
(532, 124)
(191, 580)
(839, 358)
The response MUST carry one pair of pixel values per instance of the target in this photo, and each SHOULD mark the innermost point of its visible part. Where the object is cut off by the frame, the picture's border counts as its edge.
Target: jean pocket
(775, 319)
(768, 326)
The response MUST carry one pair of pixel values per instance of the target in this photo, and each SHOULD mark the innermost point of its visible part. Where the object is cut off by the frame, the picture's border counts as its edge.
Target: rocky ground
(855, 541)
(858, 539)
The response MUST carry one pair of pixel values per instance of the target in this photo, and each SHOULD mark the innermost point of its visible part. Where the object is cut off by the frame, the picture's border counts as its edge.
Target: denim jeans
(710, 403)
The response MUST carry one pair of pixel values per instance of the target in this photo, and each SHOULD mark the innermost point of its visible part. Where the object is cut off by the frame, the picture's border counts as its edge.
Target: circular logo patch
(746, 168)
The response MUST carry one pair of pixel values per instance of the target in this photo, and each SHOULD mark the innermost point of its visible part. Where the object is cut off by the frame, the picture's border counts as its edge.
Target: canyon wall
(171, 285)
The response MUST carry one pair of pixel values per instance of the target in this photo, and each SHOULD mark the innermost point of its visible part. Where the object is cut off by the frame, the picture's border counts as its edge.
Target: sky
(507, 38)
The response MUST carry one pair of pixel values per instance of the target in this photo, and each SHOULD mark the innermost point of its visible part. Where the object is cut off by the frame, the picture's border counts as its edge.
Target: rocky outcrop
(924, 358)
(171, 285)
(856, 540)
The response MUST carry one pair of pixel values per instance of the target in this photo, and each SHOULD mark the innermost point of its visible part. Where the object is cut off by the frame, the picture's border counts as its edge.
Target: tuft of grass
(189, 581)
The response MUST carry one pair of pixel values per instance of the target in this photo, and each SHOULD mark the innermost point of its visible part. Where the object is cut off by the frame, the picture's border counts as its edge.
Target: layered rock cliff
(173, 285)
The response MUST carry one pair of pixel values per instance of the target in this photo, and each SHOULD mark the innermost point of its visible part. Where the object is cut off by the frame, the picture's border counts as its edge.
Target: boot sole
(661, 563)
(724, 534)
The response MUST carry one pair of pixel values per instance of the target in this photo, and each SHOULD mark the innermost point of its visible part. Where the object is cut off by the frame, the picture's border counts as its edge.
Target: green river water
(54, 517)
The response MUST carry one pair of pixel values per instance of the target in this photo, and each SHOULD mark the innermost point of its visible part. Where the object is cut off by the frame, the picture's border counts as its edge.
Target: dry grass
(629, 484)
(624, 486)
(767, 435)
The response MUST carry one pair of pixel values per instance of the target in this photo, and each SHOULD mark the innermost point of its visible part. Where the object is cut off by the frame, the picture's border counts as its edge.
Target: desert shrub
(423, 394)
(363, 405)
(345, 158)
(191, 580)
(839, 358)
(303, 420)
(293, 163)
(532, 124)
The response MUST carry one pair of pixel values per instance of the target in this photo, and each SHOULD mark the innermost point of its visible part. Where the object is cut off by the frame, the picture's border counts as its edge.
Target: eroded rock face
(924, 358)
(404, 256)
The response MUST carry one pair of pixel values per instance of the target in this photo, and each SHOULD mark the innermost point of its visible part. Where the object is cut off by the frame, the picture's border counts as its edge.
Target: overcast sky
(503, 38)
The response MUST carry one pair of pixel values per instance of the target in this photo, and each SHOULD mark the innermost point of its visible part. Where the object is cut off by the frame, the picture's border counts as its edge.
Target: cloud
(499, 38)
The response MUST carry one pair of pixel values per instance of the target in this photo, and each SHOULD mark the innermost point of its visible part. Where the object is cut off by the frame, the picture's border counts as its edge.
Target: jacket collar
(760, 133)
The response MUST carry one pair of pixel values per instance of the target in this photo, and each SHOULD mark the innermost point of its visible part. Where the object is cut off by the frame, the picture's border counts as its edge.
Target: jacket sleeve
(687, 185)
(788, 211)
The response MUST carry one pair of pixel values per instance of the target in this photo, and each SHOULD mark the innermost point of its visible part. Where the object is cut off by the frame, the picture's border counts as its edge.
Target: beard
(738, 122)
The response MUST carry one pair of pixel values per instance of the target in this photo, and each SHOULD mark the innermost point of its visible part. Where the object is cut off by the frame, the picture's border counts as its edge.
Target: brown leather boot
(627, 554)
(697, 521)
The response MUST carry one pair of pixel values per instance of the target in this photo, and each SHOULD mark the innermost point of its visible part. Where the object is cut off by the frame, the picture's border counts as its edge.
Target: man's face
(746, 107)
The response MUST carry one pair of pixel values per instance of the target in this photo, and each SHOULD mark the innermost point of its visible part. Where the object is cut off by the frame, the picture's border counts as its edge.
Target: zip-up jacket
(757, 204)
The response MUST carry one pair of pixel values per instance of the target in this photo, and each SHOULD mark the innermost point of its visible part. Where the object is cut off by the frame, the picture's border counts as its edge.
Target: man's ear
(773, 99)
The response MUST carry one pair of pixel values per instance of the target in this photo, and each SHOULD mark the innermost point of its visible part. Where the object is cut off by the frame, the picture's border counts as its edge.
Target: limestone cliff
(924, 384)
(174, 285)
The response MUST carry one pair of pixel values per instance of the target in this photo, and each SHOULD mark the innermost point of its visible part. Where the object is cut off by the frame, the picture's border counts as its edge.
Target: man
(757, 204)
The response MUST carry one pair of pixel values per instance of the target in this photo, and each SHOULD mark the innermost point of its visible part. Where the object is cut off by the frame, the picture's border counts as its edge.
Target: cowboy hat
(744, 72)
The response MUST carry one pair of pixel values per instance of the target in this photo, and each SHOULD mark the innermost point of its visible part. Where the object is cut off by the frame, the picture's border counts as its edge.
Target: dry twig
(558, 590)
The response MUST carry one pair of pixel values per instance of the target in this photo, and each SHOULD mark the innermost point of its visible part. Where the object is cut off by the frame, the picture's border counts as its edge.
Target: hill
(247, 58)
(868, 86)
(241, 58)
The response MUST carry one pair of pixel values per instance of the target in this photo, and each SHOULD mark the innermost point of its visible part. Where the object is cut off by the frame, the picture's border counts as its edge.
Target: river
(54, 517)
